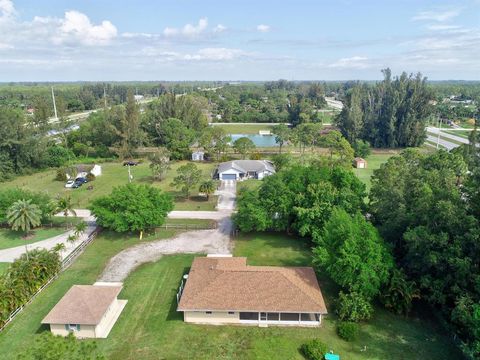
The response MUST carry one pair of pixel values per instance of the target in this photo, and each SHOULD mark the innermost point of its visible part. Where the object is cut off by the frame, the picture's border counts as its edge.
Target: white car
(69, 183)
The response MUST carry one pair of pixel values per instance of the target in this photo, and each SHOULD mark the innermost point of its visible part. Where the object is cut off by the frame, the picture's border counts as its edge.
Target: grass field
(461, 133)
(244, 129)
(373, 162)
(10, 238)
(156, 331)
(3, 267)
(114, 174)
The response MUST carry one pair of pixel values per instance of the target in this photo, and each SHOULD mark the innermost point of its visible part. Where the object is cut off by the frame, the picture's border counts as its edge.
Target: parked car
(69, 183)
(83, 180)
(130, 163)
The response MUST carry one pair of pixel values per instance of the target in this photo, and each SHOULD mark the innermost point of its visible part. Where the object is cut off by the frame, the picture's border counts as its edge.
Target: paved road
(9, 255)
(434, 130)
(217, 241)
(444, 143)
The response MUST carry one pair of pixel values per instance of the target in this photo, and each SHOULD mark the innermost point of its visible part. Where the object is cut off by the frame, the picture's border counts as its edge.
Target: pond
(258, 140)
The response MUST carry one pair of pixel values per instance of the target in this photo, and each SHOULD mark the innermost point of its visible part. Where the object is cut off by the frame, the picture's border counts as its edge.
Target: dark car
(130, 163)
(79, 182)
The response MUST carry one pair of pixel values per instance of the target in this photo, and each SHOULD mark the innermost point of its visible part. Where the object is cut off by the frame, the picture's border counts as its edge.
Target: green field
(3, 267)
(462, 133)
(10, 238)
(156, 331)
(373, 162)
(244, 128)
(114, 174)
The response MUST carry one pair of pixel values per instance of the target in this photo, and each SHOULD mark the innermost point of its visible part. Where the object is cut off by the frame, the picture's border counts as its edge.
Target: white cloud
(188, 30)
(438, 15)
(354, 62)
(77, 27)
(219, 28)
(263, 28)
(215, 54)
(442, 27)
(6, 9)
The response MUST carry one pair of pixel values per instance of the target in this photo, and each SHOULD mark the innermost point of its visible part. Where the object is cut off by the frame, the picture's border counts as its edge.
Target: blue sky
(237, 40)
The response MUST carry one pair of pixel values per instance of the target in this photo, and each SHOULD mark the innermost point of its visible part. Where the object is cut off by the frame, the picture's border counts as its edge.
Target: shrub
(347, 330)
(24, 277)
(256, 156)
(61, 175)
(353, 307)
(57, 156)
(90, 177)
(314, 350)
(10, 196)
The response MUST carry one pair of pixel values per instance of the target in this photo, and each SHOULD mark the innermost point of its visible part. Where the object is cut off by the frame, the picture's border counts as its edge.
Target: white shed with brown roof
(221, 290)
(87, 311)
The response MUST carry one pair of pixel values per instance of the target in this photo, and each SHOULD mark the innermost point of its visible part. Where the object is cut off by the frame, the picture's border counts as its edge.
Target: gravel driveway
(216, 241)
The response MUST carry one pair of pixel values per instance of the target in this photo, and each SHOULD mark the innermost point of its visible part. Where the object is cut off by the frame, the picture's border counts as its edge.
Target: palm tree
(24, 215)
(207, 187)
(80, 228)
(65, 206)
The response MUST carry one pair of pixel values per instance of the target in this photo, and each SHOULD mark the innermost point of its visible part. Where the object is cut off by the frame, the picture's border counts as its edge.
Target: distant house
(87, 311)
(225, 290)
(360, 163)
(244, 169)
(198, 156)
(84, 170)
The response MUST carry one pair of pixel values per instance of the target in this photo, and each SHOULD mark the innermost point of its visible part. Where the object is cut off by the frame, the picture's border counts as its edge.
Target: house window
(231, 313)
(72, 327)
(208, 312)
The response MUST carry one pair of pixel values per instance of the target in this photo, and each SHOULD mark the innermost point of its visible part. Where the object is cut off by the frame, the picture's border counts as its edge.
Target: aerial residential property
(225, 290)
(244, 169)
(255, 179)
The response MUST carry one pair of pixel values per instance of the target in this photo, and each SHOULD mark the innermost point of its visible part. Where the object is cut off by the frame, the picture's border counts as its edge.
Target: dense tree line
(24, 277)
(392, 113)
(426, 207)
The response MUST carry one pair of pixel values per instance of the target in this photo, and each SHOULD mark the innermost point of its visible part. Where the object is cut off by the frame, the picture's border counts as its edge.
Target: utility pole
(54, 105)
(439, 129)
(104, 97)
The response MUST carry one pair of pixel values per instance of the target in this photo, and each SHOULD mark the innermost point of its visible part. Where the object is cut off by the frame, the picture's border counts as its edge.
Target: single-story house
(87, 311)
(225, 290)
(244, 169)
(198, 156)
(84, 170)
(360, 163)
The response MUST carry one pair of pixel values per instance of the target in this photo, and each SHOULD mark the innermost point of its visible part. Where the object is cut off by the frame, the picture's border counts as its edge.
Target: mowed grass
(21, 332)
(462, 133)
(374, 161)
(3, 267)
(151, 328)
(10, 238)
(114, 174)
(244, 128)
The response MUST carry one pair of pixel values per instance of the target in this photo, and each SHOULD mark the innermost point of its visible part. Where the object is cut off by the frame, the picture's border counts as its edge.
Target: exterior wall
(86, 331)
(219, 317)
(97, 170)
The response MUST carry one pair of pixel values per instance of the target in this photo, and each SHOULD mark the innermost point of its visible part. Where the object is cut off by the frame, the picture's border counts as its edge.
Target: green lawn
(3, 267)
(244, 129)
(250, 184)
(114, 174)
(10, 238)
(373, 162)
(154, 330)
(461, 133)
(85, 270)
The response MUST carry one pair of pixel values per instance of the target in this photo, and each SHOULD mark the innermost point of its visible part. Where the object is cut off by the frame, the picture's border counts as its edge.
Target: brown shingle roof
(83, 304)
(229, 284)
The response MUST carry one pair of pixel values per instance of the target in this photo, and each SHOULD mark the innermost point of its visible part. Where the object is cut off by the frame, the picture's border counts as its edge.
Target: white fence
(65, 264)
